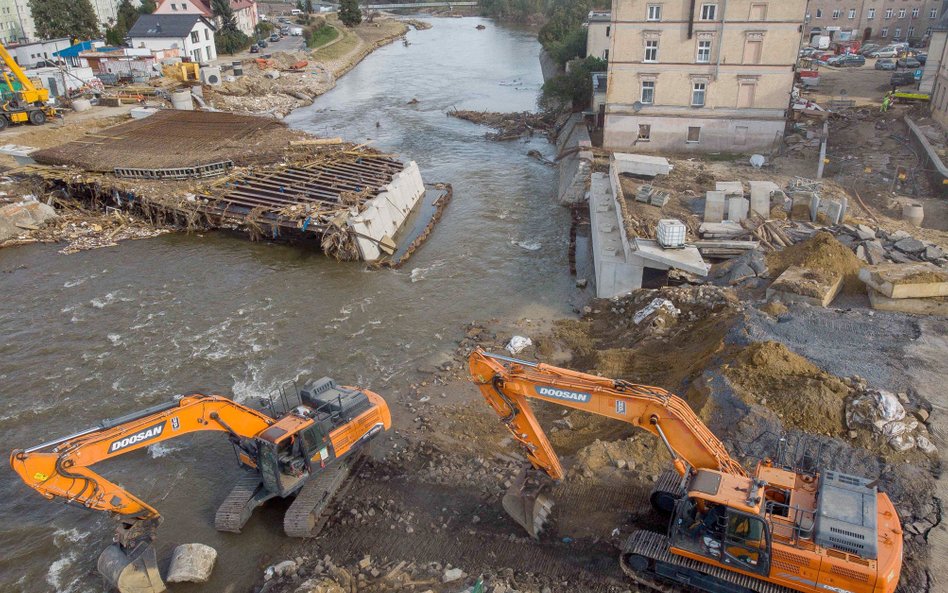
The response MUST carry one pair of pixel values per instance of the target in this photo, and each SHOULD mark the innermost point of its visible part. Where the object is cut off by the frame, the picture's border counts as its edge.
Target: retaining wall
(384, 214)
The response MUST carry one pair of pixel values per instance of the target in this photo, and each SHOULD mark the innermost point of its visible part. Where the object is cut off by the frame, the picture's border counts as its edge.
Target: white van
(296, 12)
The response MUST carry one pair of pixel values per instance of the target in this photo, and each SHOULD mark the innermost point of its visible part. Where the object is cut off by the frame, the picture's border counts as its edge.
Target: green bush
(572, 90)
(349, 12)
(321, 36)
(573, 45)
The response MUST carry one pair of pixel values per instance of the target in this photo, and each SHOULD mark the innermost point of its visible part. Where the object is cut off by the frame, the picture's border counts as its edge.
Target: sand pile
(821, 253)
(802, 394)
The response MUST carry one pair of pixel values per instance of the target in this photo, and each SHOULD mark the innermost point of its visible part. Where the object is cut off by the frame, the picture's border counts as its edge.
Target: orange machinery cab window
(732, 538)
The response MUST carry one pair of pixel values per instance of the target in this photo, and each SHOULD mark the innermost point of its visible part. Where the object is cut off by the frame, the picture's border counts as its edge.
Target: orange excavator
(777, 530)
(304, 444)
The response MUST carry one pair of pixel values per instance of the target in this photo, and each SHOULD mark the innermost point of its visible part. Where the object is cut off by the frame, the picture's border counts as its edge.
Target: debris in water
(528, 245)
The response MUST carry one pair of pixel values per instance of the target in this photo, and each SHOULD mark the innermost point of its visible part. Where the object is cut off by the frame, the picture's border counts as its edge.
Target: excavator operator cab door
(722, 534)
(746, 542)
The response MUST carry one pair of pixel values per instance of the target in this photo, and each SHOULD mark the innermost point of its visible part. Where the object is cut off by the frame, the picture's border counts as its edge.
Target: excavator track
(236, 509)
(648, 562)
(306, 516)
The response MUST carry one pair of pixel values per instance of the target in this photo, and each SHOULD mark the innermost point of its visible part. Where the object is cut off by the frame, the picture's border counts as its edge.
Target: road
(288, 44)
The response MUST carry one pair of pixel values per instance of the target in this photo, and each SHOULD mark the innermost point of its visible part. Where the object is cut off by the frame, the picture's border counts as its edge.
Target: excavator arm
(508, 384)
(62, 469)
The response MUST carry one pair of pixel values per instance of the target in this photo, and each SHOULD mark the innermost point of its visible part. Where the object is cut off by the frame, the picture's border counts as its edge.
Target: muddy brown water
(107, 332)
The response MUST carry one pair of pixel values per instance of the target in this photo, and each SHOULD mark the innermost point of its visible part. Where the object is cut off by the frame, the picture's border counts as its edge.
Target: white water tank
(181, 100)
(671, 233)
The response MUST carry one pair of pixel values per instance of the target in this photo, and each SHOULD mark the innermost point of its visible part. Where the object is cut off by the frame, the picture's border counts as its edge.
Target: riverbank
(289, 80)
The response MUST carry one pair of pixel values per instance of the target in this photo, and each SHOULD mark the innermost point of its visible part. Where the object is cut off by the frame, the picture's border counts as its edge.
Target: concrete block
(191, 563)
(833, 210)
(641, 164)
(924, 306)
(714, 203)
(737, 208)
(875, 252)
(760, 192)
(688, 258)
(902, 281)
(865, 233)
(731, 188)
(814, 207)
(643, 193)
(801, 285)
(659, 198)
(720, 230)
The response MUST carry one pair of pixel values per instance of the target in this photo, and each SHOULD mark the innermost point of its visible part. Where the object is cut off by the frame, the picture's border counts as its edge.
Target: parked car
(885, 64)
(901, 79)
(275, 37)
(255, 49)
(262, 43)
(869, 48)
(922, 58)
(284, 31)
(885, 52)
(907, 63)
(847, 60)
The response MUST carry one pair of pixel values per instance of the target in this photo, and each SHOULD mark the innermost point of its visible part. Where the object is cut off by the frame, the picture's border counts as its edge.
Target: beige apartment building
(598, 32)
(875, 20)
(700, 76)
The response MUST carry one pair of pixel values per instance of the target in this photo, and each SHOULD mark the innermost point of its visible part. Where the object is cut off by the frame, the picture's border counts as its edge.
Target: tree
(571, 90)
(349, 12)
(64, 18)
(147, 7)
(126, 15)
(308, 6)
(228, 39)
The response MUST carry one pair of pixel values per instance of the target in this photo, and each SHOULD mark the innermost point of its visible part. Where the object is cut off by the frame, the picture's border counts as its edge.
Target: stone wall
(575, 161)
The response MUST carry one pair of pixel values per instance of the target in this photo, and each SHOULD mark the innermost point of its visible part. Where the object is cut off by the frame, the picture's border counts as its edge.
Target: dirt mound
(774, 308)
(642, 454)
(820, 253)
(802, 394)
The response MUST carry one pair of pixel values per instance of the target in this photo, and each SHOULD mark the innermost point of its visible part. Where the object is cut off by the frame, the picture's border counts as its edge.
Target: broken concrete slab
(721, 230)
(910, 245)
(687, 258)
(737, 208)
(802, 285)
(714, 204)
(730, 187)
(643, 193)
(191, 563)
(833, 210)
(865, 233)
(659, 198)
(902, 281)
(641, 164)
(918, 306)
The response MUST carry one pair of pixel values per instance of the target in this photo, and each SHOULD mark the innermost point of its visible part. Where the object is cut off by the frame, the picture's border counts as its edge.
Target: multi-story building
(16, 18)
(700, 76)
(598, 31)
(935, 76)
(10, 28)
(875, 20)
(245, 11)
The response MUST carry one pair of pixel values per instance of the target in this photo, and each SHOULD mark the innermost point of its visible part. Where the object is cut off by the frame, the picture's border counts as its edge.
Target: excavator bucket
(135, 573)
(527, 503)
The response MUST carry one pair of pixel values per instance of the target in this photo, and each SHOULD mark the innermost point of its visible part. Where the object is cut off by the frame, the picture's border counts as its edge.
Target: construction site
(409, 338)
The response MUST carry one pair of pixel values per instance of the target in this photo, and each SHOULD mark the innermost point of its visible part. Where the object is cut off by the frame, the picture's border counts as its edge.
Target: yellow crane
(25, 102)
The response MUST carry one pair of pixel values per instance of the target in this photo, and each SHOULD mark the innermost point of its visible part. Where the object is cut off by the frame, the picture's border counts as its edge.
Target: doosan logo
(573, 396)
(143, 435)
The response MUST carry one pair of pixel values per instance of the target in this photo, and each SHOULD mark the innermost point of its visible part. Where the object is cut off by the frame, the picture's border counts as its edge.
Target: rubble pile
(874, 245)
(883, 414)
(275, 85)
(508, 126)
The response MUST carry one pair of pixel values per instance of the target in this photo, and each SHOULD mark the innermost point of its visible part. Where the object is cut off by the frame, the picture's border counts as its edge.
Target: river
(107, 332)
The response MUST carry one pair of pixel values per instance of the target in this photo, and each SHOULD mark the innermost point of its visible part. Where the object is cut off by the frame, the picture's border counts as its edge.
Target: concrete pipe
(181, 100)
(79, 105)
(913, 214)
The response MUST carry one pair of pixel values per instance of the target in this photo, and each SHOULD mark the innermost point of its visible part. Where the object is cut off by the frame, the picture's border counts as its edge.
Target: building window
(915, 13)
(207, 50)
(654, 12)
(871, 14)
(897, 34)
(196, 54)
(819, 13)
(752, 50)
(709, 12)
(694, 134)
(928, 31)
(645, 132)
(195, 36)
(836, 13)
(174, 7)
(651, 51)
(911, 32)
(698, 90)
(888, 13)
(758, 12)
(852, 13)
(608, 30)
(207, 34)
(648, 92)
(933, 13)
(884, 32)
(704, 52)
(901, 13)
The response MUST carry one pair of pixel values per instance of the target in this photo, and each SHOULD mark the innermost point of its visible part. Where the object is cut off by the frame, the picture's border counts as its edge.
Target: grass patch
(342, 47)
(321, 36)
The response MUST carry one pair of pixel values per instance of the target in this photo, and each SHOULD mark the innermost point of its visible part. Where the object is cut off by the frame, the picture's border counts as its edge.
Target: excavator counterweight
(776, 530)
(297, 453)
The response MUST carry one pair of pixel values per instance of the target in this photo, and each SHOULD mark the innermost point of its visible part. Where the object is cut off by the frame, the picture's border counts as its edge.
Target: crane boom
(17, 71)
(507, 384)
(62, 469)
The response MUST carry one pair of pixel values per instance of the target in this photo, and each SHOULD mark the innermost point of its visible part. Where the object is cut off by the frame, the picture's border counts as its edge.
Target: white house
(245, 11)
(192, 34)
(28, 55)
